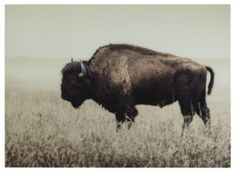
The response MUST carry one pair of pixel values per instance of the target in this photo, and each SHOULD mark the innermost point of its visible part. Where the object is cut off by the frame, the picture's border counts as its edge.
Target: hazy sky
(77, 31)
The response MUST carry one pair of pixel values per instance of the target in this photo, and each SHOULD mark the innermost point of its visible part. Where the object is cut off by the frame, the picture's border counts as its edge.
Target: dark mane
(120, 47)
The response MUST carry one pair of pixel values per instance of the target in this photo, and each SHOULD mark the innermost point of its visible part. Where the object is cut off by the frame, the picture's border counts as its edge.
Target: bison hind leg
(188, 111)
(203, 111)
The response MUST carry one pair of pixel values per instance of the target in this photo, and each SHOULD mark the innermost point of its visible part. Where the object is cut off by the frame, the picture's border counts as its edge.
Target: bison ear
(85, 70)
(88, 77)
(88, 70)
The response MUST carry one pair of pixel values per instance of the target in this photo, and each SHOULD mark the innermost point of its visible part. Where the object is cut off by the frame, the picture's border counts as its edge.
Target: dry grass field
(42, 130)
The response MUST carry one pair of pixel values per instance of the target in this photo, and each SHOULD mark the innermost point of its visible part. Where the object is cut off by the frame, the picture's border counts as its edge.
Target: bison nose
(63, 96)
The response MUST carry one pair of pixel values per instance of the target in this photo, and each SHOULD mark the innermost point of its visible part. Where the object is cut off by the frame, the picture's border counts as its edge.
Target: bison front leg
(128, 116)
(131, 114)
(120, 119)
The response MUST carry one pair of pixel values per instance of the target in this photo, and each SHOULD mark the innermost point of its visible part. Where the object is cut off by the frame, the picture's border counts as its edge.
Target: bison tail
(211, 83)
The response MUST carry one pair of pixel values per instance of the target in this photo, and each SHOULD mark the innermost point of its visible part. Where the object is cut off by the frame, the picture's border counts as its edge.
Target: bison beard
(75, 103)
(120, 76)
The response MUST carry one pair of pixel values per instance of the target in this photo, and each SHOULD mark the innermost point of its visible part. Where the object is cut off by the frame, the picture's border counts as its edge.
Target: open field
(43, 130)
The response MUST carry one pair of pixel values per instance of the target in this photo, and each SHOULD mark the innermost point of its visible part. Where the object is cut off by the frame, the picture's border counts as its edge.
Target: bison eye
(72, 79)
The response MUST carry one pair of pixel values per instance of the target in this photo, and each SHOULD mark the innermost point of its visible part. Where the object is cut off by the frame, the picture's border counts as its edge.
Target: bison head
(76, 82)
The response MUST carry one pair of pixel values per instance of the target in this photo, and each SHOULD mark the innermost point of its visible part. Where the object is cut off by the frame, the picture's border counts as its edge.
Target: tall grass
(42, 130)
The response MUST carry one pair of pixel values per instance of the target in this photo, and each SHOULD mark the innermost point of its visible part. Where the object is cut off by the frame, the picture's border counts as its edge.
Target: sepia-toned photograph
(117, 86)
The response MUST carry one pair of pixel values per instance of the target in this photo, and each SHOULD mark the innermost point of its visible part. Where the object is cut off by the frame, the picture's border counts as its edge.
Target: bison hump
(113, 73)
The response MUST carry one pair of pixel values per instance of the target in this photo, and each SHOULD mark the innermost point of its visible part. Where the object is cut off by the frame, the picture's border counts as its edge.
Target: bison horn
(83, 70)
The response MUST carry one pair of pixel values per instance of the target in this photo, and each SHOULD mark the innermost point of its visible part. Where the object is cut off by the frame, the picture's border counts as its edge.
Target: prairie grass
(42, 130)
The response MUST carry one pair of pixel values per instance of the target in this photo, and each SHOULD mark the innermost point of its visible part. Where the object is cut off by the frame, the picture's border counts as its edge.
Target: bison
(120, 76)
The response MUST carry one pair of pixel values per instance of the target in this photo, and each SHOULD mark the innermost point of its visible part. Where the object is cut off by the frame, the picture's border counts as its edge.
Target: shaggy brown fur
(122, 76)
